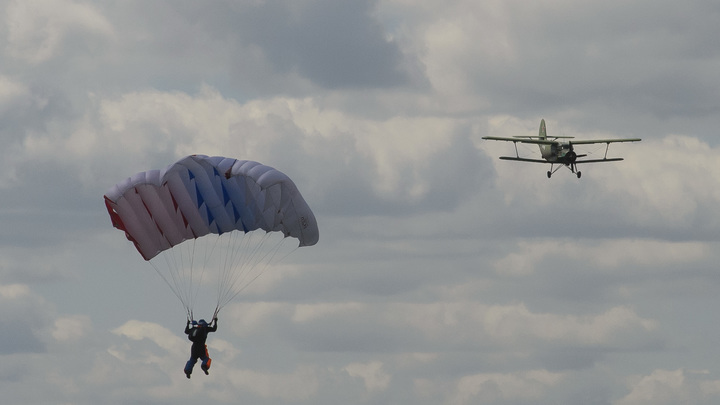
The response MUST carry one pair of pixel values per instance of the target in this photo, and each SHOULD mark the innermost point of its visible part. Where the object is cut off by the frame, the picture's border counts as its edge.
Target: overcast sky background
(443, 275)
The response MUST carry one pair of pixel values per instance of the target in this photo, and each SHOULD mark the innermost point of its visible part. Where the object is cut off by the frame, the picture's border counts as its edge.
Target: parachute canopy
(211, 220)
(200, 195)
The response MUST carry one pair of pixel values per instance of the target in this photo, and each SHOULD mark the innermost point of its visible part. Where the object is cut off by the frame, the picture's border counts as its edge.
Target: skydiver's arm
(187, 328)
(214, 327)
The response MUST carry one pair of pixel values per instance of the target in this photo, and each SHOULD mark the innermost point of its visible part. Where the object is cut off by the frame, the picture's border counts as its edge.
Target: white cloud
(298, 385)
(249, 318)
(14, 291)
(679, 386)
(607, 255)
(466, 35)
(372, 373)
(27, 315)
(72, 328)
(37, 28)
(161, 336)
(310, 312)
(614, 327)
(12, 92)
(515, 326)
(677, 175)
(498, 387)
(225, 348)
(463, 324)
(401, 162)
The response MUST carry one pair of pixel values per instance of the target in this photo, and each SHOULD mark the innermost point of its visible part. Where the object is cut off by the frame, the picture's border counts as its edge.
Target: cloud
(162, 337)
(498, 387)
(442, 326)
(671, 387)
(531, 254)
(301, 384)
(25, 314)
(678, 167)
(399, 164)
(38, 29)
(372, 373)
(516, 322)
(11, 92)
(334, 44)
(72, 328)
(568, 59)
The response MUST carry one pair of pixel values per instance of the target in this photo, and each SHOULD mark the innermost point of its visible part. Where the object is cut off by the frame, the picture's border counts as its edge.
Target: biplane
(558, 152)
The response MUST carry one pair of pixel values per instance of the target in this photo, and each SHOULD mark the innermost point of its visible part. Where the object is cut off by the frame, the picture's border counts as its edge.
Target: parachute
(241, 210)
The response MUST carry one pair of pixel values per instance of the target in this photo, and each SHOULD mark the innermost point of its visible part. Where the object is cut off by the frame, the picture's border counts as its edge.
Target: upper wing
(577, 162)
(519, 159)
(522, 140)
(592, 141)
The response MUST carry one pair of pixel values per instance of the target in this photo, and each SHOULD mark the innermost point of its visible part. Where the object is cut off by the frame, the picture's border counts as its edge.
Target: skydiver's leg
(206, 361)
(189, 366)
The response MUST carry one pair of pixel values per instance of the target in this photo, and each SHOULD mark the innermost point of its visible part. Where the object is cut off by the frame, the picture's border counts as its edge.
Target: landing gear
(571, 166)
(553, 169)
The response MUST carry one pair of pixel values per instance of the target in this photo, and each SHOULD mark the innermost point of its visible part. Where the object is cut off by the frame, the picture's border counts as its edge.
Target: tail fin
(543, 132)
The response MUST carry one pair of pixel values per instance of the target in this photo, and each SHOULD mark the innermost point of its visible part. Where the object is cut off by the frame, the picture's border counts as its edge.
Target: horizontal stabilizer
(540, 137)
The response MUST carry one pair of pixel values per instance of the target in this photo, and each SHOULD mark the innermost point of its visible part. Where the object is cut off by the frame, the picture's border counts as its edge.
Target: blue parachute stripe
(219, 178)
(211, 218)
(202, 206)
(198, 194)
(236, 213)
(226, 196)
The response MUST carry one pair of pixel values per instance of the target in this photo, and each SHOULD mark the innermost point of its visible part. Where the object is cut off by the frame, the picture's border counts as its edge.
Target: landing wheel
(579, 174)
(549, 174)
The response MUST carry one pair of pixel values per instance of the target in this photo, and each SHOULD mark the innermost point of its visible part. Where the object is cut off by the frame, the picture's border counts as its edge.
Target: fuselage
(560, 153)
(556, 153)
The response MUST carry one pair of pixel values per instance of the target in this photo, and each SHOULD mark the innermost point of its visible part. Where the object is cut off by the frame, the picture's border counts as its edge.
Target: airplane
(561, 153)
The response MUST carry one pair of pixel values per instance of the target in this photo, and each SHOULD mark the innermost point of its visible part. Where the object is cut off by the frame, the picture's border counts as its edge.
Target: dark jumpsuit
(198, 335)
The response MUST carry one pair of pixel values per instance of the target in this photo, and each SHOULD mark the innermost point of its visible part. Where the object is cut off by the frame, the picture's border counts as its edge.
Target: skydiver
(198, 335)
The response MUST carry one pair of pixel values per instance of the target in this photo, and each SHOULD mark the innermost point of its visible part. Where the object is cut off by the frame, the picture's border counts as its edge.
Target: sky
(443, 275)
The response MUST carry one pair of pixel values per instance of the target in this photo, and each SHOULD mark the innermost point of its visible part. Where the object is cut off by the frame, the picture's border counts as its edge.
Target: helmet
(202, 322)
